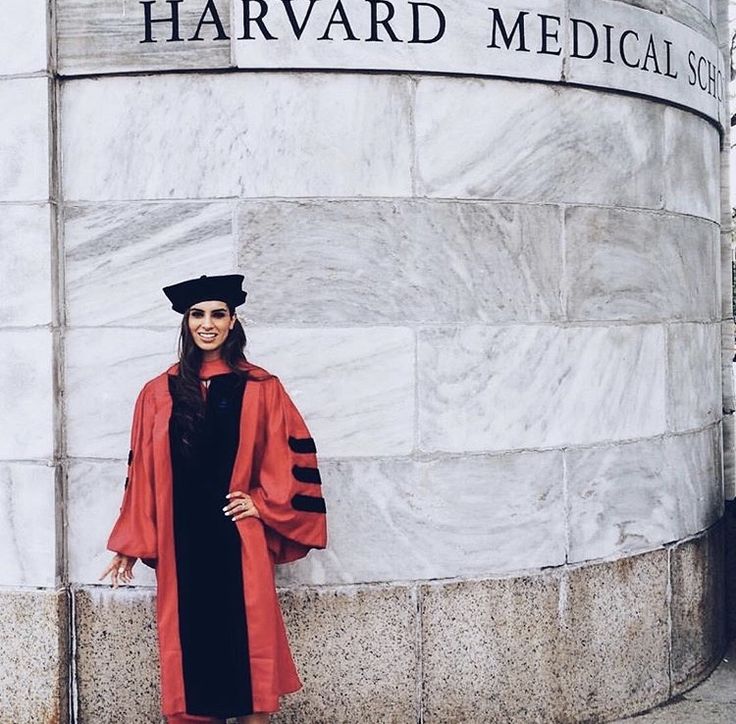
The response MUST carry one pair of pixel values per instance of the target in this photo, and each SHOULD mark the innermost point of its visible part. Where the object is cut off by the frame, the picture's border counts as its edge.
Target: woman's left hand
(240, 506)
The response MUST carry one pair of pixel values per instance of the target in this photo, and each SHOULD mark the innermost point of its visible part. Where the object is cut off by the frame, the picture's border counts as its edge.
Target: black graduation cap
(226, 288)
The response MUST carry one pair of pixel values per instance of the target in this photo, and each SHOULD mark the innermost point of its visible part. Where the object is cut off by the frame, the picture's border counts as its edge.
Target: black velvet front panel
(212, 623)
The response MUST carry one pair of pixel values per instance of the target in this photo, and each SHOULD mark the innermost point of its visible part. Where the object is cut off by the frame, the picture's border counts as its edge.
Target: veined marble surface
(462, 49)
(95, 494)
(266, 134)
(23, 49)
(113, 248)
(105, 371)
(26, 230)
(107, 34)
(513, 139)
(107, 37)
(663, 85)
(724, 280)
(24, 139)
(331, 262)
(401, 519)
(354, 387)
(636, 496)
(693, 375)
(498, 388)
(692, 147)
(26, 394)
(27, 525)
(727, 333)
(634, 265)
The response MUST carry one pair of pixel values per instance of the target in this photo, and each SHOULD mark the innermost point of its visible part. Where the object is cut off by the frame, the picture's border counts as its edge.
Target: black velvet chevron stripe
(127, 480)
(302, 444)
(308, 503)
(130, 457)
(306, 475)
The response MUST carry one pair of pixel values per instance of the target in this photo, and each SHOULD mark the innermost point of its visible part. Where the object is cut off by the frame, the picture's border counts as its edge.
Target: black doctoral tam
(225, 288)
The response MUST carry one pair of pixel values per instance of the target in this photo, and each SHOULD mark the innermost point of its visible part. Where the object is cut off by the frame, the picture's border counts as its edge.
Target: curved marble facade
(517, 294)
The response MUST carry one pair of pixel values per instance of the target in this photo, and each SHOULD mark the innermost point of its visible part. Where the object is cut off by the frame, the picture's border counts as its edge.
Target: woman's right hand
(121, 567)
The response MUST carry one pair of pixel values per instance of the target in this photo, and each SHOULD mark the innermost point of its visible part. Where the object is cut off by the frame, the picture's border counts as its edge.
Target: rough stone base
(117, 670)
(589, 643)
(35, 656)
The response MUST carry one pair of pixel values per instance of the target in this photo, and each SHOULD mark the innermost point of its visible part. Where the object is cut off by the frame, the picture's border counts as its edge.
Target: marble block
(691, 165)
(664, 75)
(727, 357)
(116, 656)
(635, 265)
(696, 14)
(693, 375)
(406, 260)
(111, 249)
(511, 141)
(203, 136)
(34, 667)
(354, 386)
(729, 457)
(106, 36)
(23, 49)
(490, 651)
(725, 274)
(462, 48)
(26, 394)
(458, 517)
(357, 653)
(615, 637)
(698, 607)
(24, 139)
(27, 525)
(25, 234)
(640, 495)
(503, 388)
(356, 414)
(94, 496)
(702, 6)
(105, 371)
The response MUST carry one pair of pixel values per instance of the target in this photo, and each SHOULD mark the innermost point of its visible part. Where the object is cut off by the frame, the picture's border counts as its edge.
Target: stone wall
(34, 605)
(500, 306)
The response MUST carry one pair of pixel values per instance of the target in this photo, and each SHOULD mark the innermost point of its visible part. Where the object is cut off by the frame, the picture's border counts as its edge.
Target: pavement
(712, 702)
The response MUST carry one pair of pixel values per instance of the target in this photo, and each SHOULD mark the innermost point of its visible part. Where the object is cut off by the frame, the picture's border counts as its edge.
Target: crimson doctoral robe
(222, 642)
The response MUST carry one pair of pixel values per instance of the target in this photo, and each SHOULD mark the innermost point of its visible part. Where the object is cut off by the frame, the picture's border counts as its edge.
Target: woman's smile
(209, 325)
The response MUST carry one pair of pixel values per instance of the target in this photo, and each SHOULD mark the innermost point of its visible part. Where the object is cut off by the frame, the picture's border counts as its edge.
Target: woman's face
(209, 324)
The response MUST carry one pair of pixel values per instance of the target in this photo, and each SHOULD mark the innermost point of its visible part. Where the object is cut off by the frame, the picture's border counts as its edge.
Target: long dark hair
(189, 412)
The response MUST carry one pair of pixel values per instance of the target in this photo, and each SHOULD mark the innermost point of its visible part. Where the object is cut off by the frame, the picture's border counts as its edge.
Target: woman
(222, 484)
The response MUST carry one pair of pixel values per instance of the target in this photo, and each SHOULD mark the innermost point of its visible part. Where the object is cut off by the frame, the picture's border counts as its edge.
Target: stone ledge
(33, 667)
(572, 644)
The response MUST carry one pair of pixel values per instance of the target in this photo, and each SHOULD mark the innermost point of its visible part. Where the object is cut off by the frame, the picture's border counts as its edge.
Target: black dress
(212, 620)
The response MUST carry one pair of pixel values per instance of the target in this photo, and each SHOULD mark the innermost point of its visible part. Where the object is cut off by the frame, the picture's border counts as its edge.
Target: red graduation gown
(276, 464)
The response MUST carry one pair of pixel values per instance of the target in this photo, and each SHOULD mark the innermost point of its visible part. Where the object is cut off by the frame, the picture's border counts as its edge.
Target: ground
(712, 702)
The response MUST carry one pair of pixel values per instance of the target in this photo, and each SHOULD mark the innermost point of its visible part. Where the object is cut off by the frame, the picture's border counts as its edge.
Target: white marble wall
(502, 326)
(23, 50)
(109, 37)
(28, 550)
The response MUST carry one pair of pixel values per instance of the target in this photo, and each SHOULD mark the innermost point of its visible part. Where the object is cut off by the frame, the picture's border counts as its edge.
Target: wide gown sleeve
(134, 532)
(287, 490)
